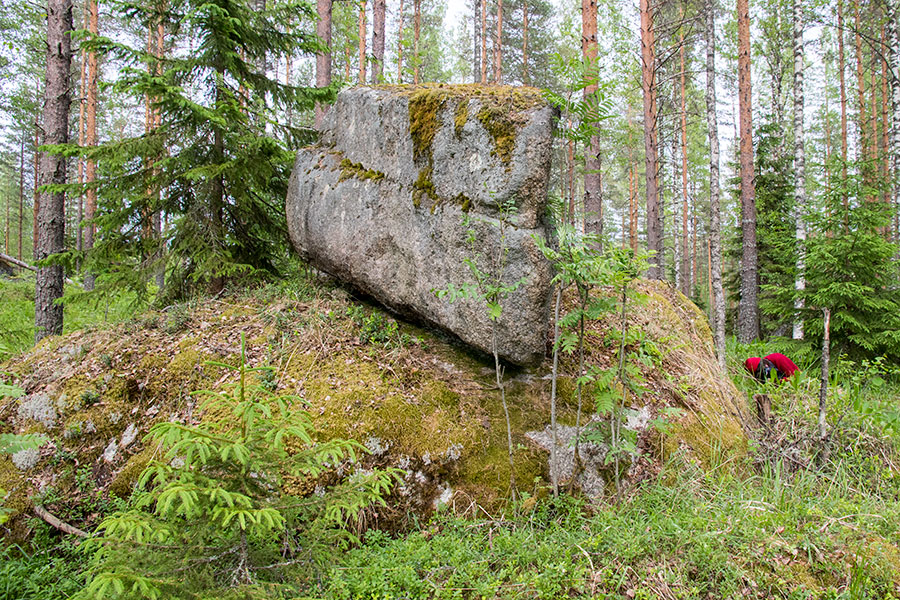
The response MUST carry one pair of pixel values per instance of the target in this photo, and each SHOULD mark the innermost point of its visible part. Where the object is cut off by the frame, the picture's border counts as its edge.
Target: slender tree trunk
(323, 59)
(36, 196)
(748, 317)
(498, 46)
(860, 84)
(685, 276)
(648, 86)
(20, 256)
(885, 122)
(593, 202)
(823, 378)
(417, 28)
(347, 61)
(217, 195)
(894, 45)
(476, 41)
(632, 207)
(82, 105)
(484, 60)
(525, 78)
(362, 42)
(571, 169)
(842, 67)
(378, 17)
(400, 20)
(799, 169)
(48, 315)
(694, 276)
(90, 168)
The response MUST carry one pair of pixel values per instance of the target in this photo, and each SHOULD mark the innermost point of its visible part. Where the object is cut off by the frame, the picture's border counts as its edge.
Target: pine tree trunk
(885, 123)
(593, 202)
(323, 59)
(498, 46)
(894, 45)
(632, 207)
(648, 87)
(476, 41)
(36, 196)
(417, 27)
(748, 310)
(685, 276)
(799, 169)
(90, 168)
(362, 42)
(48, 316)
(860, 84)
(20, 256)
(525, 78)
(483, 41)
(842, 67)
(82, 105)
(378, 19)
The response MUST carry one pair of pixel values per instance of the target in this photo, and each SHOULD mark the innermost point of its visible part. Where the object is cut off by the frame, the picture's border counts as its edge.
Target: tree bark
(36, 195)
(593, 201)
(498, 46)
(323, 59)
(860, 84)
(799, 169)
(683, 267)
(48, 315)
(483, 41)
(82, 106)
(417, 27)
(632, 207)
(894, 45)
(378, 18)
(648, 87)
(525, 78)
(362, 42)
(748, 309)
(842, 66)
(400, 19)
(476, 41)
(21, 256)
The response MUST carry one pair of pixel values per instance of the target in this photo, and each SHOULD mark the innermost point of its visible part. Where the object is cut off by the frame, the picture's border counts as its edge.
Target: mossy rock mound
(417, 399)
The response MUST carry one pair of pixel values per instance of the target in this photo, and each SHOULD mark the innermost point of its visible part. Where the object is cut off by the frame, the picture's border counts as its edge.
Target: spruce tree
(214, 167)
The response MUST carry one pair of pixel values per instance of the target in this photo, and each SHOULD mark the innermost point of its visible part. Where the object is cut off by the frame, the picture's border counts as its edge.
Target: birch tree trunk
(48, 315)
(323, 59)
(842, 67)
(362, 42)
(748, 309)
(378, 18)
(893, 43)
(799, 170)
(648, 87)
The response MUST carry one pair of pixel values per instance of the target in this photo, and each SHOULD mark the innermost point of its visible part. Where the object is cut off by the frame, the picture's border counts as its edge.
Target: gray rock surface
(380, 204)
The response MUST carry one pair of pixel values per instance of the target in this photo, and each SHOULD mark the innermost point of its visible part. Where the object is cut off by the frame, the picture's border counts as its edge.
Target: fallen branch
(25, 265)
(55, 522)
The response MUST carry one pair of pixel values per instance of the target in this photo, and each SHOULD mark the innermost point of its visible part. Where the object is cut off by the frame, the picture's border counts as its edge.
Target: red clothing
(784, 365)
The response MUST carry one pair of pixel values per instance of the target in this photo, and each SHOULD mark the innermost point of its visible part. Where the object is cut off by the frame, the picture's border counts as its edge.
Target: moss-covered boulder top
(380, 202)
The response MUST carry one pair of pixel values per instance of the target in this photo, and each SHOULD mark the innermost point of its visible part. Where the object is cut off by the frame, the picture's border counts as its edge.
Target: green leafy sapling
(490, 288)
(214, 513)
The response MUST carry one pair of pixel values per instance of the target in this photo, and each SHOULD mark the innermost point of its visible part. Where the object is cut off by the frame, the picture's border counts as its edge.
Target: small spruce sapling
(214, 513)
(490, 288)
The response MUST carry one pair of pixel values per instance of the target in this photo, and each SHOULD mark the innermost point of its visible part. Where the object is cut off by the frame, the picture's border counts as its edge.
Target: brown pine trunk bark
(842, 66)
(648, 87)
(525, 78)
(498, 46)
(632, 207)
(90, 168)
(48, 315)
(748, 309)
(861, 83)
(20, 256)
(799, 169)
(378, 19)
(217, 195)
(362, 42)
(885, 122)
(82, 102)
(347, 61)
(593, 201)
(417, 27)
(685, 276)
(36, 196)
(323, 59)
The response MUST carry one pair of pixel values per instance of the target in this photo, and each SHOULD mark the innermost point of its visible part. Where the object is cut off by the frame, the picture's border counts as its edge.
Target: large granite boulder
(408, 185)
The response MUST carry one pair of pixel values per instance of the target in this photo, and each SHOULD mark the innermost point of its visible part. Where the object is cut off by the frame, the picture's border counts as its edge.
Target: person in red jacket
(773, 365)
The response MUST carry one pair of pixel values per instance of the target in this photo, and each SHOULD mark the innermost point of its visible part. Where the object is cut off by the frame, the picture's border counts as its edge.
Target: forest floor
(777, 523)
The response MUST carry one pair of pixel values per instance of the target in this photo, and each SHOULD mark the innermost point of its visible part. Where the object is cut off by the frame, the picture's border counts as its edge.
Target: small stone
(129, 436)
(109, 454)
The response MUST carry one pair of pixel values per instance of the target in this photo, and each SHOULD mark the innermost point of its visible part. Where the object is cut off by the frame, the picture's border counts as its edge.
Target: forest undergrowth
(779, 522)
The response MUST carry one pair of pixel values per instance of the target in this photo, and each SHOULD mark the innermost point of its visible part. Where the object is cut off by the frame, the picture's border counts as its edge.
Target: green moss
(424, 104)
(123, 482)
(502, 128)
(462, 115)
(423, 188)
(350, 169)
